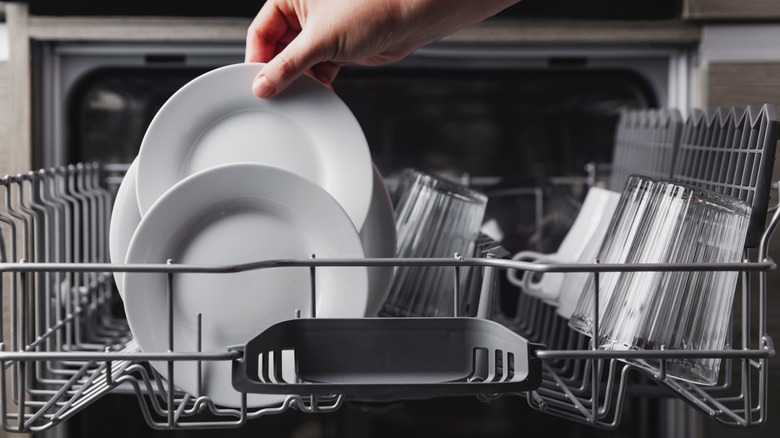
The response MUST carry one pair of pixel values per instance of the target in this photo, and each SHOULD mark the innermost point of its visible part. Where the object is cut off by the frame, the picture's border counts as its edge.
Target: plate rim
(142, 317)
(125, 205)
(359, 185)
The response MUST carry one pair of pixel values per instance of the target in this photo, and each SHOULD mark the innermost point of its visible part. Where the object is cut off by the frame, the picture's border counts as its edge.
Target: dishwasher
(66, 345)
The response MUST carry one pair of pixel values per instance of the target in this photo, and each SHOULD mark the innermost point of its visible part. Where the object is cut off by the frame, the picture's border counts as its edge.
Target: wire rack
(64, 345)
(731, 151)
(646, 141)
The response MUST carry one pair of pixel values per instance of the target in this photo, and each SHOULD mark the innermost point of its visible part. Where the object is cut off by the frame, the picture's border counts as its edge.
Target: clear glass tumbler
(676, 224)
(679, 310)
(434, 218)
(618, 247)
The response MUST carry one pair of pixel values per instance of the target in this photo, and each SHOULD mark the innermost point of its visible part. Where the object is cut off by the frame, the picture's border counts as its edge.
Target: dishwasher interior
(67, 344)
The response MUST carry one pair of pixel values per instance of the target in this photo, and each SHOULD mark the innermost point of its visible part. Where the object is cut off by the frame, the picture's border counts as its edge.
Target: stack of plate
(223, 178)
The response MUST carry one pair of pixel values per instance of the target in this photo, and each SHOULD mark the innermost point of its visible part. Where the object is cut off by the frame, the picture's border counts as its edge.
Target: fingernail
(262, 88)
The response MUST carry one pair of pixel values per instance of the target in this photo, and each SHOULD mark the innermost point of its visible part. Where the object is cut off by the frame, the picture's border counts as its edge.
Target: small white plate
(125, 218)
(216, 119)
(230, 214)
(379, 241)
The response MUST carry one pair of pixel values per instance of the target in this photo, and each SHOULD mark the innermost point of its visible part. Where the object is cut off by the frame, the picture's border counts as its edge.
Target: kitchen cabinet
(731, 10)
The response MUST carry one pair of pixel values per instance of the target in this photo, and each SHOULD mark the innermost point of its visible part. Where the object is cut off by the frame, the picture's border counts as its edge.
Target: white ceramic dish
(215, 119)
(231, 214)
(379, 241)
(125, 218)
(579, 245)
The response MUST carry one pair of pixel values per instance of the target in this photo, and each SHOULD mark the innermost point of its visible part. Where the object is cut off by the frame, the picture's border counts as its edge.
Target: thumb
(290, 64)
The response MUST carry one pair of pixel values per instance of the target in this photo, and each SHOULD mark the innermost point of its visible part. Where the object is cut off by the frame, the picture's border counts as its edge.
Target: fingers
(326, 72)
(269, 26)
(292, 62)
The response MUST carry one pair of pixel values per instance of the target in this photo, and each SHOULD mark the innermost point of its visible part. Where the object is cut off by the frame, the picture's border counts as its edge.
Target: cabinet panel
(729, 9)
(741, 84)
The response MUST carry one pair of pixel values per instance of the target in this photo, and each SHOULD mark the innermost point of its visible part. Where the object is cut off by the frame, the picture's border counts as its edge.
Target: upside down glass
(616, 248)
(676, 310)
(434, 218)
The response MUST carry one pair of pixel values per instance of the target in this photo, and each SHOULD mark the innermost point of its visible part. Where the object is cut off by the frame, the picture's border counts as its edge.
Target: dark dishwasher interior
(500, 129)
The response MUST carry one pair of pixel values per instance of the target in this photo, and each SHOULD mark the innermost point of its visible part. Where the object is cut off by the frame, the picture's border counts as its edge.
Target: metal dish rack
(64, 345)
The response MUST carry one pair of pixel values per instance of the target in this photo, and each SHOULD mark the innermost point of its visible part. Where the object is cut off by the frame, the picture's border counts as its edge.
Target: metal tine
(73, 218)
(27, 327)
(83, 220)
(82, 178)
(576, 367)
(52, 252)
(20, 319)
(90, 279)
(86, 221)
(519, 322)
(80, 248)
(72, 254)
(566, 340)
(548, 326)
(539, 327)
(45, 244)
(92, 178)
(14, 288)
(104, 198)
(736, 160)
(556, 337)
(526, 306)
(26, 187)
(59, 241)
(79, 224)
(583, 372)
(579, 382)
(599, 402)
(88, 181)
(201, 402)
(538, 322)
(22, 327)
(533, 318)
(759, 141)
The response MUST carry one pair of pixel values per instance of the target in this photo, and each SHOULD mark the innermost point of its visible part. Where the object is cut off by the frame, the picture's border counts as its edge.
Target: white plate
(125, 218)
(216, 119)
(379, 241)
(238, 213)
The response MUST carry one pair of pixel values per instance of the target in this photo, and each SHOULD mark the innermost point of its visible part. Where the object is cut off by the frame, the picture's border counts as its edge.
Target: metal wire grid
(63, 339)
(732, 151)
(645, 143)
(55, 215)
(64, 347)
(590, 386)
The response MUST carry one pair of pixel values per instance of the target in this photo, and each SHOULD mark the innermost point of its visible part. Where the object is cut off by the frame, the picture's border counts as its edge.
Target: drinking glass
(669, 223)
(618, 247)
(682, 310)
(434, 218)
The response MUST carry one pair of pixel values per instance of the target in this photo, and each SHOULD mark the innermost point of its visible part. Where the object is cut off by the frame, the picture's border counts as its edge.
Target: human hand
(319, 36)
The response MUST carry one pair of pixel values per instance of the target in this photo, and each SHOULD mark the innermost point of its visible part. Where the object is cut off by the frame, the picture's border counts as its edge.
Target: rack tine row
(54, 215)
(728, 150)
(63, 347)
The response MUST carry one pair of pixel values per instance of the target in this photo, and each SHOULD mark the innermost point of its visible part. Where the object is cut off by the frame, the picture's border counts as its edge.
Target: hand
(319, 36)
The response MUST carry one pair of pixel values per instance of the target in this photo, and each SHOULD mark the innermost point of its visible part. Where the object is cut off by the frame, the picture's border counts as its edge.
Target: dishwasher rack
(65, 345)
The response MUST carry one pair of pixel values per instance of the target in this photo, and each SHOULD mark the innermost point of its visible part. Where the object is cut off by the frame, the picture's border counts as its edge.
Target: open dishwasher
(64, 346)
